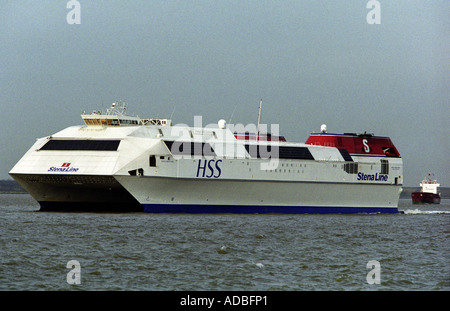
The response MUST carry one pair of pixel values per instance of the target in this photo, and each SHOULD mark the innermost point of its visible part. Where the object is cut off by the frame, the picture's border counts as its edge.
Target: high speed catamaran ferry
(116, 162)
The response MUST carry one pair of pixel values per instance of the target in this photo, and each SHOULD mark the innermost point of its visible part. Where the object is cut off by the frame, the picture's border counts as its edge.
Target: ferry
(428, 193)
(116, 162)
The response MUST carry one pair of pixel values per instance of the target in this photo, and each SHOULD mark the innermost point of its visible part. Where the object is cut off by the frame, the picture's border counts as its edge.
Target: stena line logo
(65, 167)
(374, 177)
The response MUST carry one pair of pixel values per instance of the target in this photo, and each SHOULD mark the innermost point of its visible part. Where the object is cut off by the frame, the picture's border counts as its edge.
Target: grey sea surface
(184, 252)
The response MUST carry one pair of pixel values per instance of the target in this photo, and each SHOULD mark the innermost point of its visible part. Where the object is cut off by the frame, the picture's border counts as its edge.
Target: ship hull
(185, 195)
(78, 193)
(425, 198)
(160, 168)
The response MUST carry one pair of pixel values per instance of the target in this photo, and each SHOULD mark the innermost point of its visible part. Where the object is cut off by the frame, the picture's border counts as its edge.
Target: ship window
(152, 161)
(351, 168)
(384, 167)
(81, 145)
(132, 172)
(132, 122)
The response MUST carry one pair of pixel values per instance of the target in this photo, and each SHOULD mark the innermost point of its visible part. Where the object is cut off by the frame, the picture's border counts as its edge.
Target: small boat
(429, 192)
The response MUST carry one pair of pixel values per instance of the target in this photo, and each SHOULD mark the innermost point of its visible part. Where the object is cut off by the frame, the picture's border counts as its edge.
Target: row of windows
(384, 167)
(133, 122)
(351, 168)
(85, 145)
(187, 148)
(283, 152)
(110, 122)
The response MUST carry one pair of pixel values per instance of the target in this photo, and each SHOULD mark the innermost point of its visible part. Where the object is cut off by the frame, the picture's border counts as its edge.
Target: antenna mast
(259, 117)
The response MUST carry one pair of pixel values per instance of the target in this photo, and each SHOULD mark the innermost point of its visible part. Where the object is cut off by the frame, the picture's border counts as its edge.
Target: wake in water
(420, 212)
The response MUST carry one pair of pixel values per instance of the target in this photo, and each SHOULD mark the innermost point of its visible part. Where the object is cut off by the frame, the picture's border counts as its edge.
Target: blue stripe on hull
(264, 209)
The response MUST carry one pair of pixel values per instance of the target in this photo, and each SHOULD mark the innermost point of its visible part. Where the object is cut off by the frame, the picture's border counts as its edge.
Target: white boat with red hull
(428, 193)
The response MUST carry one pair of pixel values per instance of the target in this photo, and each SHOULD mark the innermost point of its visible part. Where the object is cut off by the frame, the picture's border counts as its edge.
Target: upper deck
(356, 144)
(115, 116)
(429, 185)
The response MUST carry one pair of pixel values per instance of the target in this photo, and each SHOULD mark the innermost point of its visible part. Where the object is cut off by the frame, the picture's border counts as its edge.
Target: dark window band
(75, 144)
(283, 152)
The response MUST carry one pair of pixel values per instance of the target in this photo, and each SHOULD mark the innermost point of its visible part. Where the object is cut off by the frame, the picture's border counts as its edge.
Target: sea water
(183, 252)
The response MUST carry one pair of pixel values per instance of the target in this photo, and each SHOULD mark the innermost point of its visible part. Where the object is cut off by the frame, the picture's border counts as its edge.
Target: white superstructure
(118, 162)
(430, 186)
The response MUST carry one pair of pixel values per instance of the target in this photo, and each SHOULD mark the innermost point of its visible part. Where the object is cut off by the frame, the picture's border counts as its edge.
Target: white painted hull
(161, 194)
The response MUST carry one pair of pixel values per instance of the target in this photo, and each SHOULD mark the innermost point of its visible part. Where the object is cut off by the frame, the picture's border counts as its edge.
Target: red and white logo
(65, 167)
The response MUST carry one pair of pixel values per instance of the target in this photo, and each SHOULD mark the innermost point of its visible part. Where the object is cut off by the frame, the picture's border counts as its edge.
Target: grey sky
(311, 62)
